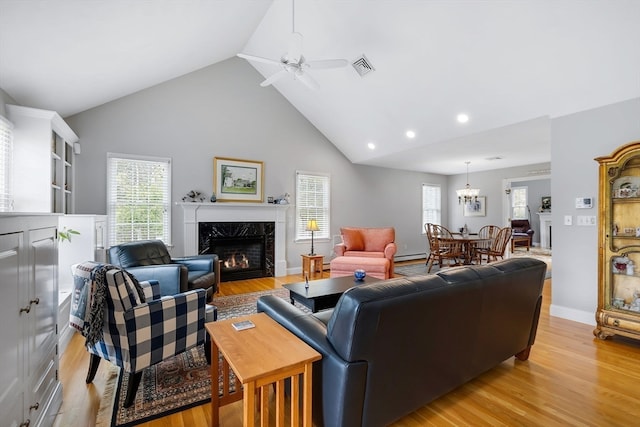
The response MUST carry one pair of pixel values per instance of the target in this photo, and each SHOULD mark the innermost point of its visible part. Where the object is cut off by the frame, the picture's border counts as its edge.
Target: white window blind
(431, 205)
(6, 164)
(312, 202)
(519, 198)
(138, 198)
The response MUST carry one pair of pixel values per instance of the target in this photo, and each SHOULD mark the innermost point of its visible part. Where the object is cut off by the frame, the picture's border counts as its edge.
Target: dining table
(469, 242)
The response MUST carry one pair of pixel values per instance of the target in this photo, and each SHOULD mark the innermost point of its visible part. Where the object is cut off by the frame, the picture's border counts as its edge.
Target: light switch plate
(568, 220)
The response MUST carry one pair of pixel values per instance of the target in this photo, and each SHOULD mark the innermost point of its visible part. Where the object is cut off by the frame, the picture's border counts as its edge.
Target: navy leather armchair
(150, 260)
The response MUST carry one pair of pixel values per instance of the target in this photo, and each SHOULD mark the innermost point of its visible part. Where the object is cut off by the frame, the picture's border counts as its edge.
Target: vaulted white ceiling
(510, 65)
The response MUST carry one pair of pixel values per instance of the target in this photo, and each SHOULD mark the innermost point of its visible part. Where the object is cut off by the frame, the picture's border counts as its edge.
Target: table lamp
(312, 225)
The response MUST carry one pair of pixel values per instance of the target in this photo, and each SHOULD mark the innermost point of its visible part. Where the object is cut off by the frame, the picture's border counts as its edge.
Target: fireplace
(195, 213)
(246, 249)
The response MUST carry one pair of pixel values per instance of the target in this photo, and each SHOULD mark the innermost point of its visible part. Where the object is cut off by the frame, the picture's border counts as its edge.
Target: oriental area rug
(176, 384)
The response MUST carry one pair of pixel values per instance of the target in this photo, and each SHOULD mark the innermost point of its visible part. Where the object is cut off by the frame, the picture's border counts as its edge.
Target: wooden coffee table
(260, 356)
(325, 293)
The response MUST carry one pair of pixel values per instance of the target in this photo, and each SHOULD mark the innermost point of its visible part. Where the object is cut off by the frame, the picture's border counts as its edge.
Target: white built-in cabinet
(43, 161)
(31, 392)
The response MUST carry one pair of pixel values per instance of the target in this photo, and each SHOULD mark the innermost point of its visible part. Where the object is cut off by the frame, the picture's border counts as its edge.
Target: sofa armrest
(198, 262)
(339, 249)
(390, 250)
(166, 326)
(171, 277)
(151, 290)
(336, 382)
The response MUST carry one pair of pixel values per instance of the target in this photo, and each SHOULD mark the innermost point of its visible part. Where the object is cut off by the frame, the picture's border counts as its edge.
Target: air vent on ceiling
(363, 66)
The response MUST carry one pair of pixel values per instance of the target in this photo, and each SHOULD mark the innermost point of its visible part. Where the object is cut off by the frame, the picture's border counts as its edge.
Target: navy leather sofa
(392, 346)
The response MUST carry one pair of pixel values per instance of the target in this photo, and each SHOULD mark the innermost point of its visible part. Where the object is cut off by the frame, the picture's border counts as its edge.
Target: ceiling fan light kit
(294, 63)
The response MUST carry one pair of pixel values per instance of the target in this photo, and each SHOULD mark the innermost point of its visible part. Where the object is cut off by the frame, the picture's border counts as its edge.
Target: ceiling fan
(293, 62)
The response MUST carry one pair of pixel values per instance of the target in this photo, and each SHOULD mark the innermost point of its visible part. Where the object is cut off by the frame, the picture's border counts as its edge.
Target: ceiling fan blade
(327, 63)
(307, 80)
(275, 77)
(295, 48)
(259, 59)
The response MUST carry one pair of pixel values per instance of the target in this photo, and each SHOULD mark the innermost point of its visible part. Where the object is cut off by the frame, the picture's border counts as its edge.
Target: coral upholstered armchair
(368, 242)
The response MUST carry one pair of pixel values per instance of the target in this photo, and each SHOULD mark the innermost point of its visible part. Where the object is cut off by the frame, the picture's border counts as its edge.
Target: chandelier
(467, 194)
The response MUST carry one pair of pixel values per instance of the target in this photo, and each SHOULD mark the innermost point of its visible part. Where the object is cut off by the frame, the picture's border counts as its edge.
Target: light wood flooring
(571, 378)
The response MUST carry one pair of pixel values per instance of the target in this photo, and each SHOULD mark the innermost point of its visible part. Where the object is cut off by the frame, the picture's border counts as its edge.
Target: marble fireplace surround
(196, 212)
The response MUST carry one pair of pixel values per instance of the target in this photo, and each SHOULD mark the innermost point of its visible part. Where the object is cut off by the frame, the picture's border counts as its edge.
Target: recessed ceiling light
(410, 134)
(462, 118)
(371, 146)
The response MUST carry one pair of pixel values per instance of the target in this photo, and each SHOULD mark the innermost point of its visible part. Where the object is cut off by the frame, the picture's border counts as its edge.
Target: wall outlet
(568, 220)
(586, 220)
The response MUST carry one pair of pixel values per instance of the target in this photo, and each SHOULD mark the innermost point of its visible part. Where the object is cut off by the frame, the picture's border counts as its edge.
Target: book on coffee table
(245, 324)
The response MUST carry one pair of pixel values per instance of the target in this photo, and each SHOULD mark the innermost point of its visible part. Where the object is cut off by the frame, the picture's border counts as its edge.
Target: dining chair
(497, 247)
(489, 232)
(442, 246)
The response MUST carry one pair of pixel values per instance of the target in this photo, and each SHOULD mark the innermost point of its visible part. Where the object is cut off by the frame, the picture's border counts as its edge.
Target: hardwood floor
(571, 378)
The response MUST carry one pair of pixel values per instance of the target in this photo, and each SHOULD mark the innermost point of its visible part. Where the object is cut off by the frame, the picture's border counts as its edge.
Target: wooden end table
(312, 265)
(260, 356)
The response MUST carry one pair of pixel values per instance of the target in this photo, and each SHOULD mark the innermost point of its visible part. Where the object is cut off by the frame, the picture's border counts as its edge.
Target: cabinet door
(43, 290)
(11, 325)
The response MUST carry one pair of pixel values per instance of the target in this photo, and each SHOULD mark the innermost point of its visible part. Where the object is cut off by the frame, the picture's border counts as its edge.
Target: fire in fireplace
(245, 249)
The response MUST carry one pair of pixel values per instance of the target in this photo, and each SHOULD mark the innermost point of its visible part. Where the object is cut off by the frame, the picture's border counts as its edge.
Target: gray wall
(576, 140)
(222, 111)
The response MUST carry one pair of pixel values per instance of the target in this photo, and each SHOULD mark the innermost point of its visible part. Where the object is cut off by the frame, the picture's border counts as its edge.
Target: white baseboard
(585, 317)
(410, 257)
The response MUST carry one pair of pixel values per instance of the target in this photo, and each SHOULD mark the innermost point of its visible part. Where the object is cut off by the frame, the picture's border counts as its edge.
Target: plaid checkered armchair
(129, 324)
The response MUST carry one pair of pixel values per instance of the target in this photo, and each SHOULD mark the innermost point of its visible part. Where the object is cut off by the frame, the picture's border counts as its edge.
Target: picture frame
(476, 207)
(546, 203)
(238, 180)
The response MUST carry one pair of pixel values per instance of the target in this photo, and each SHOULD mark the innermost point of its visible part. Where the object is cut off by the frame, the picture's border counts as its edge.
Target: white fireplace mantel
(196, 212)
(545, 229)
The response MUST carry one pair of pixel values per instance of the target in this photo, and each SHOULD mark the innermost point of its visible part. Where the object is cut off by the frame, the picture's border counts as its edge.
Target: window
(138, 198)
(431, 205)
(312, 202)
(6, 164)
(519, 202)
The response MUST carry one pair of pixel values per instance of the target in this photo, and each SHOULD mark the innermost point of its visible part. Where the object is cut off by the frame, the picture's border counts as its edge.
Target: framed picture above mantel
(238, 180)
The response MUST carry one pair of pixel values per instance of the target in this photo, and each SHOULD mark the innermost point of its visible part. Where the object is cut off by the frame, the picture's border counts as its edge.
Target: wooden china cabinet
(619, 243)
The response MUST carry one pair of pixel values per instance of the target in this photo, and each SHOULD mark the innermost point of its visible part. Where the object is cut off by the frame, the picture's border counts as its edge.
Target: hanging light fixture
(467, 194)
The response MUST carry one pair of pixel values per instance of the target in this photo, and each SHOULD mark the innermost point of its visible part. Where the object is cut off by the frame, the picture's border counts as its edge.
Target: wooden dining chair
(497, 248)
(442, 246)
(489, 232)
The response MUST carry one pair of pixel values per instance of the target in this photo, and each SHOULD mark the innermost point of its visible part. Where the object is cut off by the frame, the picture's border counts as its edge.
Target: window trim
(301, 235)
(111, 215)
(439, 187)
(6, 168)
(513, 200)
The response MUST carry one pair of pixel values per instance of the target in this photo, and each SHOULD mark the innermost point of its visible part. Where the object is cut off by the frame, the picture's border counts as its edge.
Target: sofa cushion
(140, 253)
(352, 239)
(376, 239)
